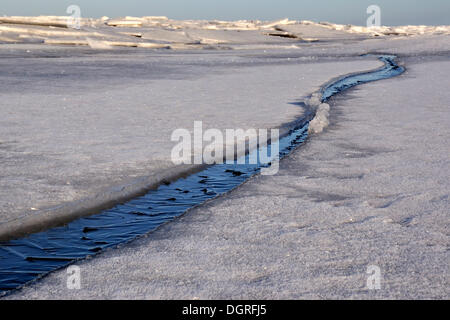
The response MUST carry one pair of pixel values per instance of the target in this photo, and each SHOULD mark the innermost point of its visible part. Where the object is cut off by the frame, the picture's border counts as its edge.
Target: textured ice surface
(75, 125)
(320, 120)
(372, 189)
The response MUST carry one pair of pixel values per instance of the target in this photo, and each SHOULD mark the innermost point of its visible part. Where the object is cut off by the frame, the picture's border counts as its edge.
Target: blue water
(27, 259)
(390, 69)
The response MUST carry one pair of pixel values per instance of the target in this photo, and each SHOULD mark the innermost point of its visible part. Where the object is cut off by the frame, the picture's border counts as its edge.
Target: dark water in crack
(390, 69)
(27, 259)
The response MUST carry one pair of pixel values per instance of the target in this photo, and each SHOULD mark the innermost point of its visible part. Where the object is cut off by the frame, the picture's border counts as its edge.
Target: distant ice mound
(410, 30)
(314, 101)
(98, 44)
(320, 120)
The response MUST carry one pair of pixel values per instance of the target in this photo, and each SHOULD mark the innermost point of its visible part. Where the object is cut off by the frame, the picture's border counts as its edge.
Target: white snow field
(85, 125)
(373, 189)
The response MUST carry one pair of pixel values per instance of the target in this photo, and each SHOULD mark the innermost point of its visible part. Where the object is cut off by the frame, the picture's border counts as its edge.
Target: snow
(372, 189)
(320, 120)
(140, 31)
(79, 128)
(84, 125)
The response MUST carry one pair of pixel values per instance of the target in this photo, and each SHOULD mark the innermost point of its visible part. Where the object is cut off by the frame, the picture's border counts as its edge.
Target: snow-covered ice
(82, 125)
(96, 128)
(145, 31)
(373, 189)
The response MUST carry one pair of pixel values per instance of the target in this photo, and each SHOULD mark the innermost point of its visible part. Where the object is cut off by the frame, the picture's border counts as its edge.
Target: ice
(90, 122)
(142, 30)
(320, 120)
(315, 100)
(80, 127)
(101, 45)
(372, 189)
(401, 30)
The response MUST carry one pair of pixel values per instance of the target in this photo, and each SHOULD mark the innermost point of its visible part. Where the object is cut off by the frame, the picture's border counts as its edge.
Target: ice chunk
(98, 44)
(320, 120)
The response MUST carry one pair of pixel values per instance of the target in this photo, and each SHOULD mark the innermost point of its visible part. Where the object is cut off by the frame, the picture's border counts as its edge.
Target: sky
(393, 12)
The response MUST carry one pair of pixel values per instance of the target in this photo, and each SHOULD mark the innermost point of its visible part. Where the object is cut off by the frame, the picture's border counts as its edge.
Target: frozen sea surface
(370, 190)
(92, 128)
